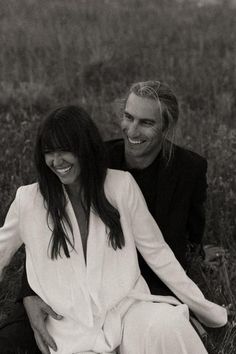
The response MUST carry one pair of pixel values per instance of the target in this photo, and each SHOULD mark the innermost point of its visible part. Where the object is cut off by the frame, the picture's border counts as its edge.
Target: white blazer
(93, 297)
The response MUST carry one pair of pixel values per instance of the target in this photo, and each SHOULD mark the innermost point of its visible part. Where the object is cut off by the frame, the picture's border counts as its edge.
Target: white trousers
(157, 328)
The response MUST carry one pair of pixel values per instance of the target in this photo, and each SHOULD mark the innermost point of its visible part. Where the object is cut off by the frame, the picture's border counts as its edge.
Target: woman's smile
(63, 170)
(64, 164)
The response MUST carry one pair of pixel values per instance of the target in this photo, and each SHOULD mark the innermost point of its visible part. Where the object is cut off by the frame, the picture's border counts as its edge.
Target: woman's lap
(152, 328)
(148, 328)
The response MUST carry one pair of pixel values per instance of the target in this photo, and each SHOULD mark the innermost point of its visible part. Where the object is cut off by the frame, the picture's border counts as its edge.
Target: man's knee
(17, 337)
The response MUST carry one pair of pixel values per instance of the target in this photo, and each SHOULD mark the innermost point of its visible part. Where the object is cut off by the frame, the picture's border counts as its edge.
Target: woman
(81, 224)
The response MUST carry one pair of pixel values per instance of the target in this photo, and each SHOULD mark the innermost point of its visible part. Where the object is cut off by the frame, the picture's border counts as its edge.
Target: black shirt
(146, 179)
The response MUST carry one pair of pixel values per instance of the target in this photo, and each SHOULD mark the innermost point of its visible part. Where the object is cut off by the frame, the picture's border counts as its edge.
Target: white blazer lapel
(92, 273)
(78, 264)
(97, 242)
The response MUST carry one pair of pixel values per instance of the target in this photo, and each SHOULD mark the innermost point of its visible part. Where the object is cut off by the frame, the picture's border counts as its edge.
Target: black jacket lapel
(166, 183)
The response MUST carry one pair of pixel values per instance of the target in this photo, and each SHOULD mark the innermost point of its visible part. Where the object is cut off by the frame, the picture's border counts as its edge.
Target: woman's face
(64, 164)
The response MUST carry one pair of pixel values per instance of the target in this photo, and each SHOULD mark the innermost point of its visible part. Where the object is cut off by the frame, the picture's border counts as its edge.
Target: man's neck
(140, 162)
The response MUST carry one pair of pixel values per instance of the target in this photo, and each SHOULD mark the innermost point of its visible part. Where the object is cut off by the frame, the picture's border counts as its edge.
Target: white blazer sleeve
(10, 234)
(161, 259)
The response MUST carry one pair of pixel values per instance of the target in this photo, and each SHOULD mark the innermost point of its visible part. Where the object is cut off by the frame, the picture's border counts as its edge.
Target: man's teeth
(135, 141)
(63, 170)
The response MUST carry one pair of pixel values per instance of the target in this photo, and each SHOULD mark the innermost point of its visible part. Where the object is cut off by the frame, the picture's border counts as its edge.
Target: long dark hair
(70, 128)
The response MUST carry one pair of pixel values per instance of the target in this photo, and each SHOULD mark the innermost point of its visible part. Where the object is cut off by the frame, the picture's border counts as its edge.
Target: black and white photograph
(117, 177)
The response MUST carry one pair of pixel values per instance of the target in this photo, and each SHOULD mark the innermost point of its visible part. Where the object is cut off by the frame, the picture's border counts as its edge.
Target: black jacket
(180, 188)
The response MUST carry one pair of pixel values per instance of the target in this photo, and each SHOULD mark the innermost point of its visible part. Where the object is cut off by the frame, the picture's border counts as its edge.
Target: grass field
(89, 52)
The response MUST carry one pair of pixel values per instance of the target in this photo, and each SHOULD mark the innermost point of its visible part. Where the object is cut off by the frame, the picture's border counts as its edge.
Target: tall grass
(89, 52)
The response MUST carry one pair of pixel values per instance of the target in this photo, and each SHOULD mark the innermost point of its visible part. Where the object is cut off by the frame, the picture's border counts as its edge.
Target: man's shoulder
(115, 150)
(114, 144)
(188, 158)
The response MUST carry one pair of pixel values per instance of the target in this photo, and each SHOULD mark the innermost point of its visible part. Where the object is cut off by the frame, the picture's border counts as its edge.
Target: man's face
(141, 125)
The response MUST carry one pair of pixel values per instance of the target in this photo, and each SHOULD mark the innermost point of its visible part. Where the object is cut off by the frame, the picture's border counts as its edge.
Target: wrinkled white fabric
(94, 298)
(164, 329)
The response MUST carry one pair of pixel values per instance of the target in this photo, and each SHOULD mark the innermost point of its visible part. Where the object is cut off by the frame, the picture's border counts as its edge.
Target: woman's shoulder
(116, 180)
(122, 189)
(117, 177)
(118, 183)
(28, 190)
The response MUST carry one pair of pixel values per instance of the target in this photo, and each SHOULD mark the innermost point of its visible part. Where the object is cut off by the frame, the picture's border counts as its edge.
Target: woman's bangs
(56, 139)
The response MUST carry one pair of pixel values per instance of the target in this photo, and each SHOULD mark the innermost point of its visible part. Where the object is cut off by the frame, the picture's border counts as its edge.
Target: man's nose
(133, 129)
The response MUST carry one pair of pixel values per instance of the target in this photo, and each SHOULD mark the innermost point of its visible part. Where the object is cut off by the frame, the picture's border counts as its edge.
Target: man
(172, 180)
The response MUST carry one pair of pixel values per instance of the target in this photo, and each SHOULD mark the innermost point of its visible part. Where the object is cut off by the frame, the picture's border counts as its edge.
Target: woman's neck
(73, 190)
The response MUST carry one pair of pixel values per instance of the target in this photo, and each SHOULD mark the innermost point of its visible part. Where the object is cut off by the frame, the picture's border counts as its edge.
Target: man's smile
(135, 141)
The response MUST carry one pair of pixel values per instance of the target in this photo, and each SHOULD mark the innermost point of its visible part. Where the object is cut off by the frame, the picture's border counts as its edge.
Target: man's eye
(147, 123)
(128, 117)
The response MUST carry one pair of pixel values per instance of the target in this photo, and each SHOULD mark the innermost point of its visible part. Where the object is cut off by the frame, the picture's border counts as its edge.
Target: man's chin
(136, 151)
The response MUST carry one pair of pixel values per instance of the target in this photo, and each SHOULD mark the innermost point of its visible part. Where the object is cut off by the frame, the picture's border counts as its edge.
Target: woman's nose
(57, 159)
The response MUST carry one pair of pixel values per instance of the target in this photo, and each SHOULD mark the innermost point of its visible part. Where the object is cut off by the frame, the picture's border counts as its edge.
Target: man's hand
(38, 311)
(215, 255)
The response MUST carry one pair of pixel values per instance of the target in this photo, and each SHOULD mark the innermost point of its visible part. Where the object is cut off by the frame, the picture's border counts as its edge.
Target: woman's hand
(38, 311)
